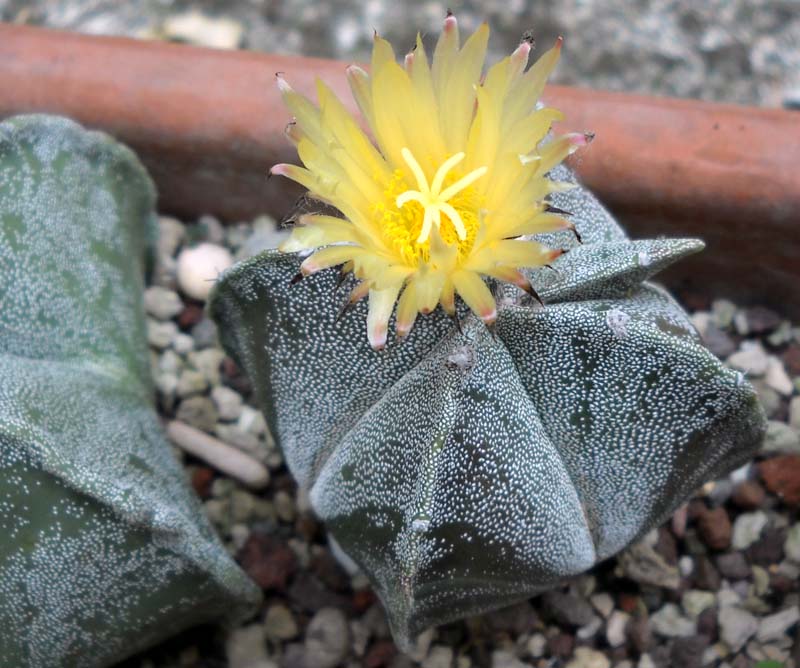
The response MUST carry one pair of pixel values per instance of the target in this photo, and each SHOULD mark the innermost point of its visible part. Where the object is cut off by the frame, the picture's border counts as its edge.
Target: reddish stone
(781, 475)
(791, 359)
(715, 528)
(561, 645)
(628, 602)
(268, 560)
(190, 316)
(306, 526)
(639, 634)
(749, 495)
(679, 519)
(229, 368)
(380, 654)
(201, 481)
(363, 600)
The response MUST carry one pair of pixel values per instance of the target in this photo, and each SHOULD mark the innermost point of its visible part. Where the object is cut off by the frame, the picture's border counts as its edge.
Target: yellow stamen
(433, 199)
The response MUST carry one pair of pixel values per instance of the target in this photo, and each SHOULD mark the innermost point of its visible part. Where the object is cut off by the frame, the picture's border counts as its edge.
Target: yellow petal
(381, 303)
(328, 257)
(475, 295)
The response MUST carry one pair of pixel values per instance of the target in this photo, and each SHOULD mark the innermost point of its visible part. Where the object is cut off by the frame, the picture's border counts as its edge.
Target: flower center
(432, 198)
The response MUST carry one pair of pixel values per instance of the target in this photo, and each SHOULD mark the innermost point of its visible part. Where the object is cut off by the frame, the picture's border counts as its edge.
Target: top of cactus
(458, 175)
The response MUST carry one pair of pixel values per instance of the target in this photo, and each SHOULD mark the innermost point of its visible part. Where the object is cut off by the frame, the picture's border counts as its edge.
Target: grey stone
(769, 398)
(182, 343)
(246, 646)
(794, 413)
(279, 624)
(204, 334)
(736, 626)
(160, 334)
(616, 628)
(722, 312)
(718, 341)
(199, 412)
(791, 547)
(208, 363)
(162, 303)
(327, 638)
(777, 378)
(171, 233)
(781, 438)
(190, 383)
(775, 626)
(228, 403)
(747, 529)
(603, 603)
(567, 608)
(586, 657)
(670, 623)
(694, 601)
(440, 656)
(643, 564)
(233, 435)
(750, 358)
(733, 566)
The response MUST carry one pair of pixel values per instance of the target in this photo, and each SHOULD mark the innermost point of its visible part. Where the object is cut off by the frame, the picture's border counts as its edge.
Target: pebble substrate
(717, 585)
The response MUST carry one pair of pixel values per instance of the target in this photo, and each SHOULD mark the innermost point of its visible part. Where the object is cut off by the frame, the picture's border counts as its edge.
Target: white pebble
(199, 268)
(220, 455)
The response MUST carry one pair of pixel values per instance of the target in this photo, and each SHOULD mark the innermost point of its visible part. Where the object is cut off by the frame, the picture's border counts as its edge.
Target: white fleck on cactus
(104, 549)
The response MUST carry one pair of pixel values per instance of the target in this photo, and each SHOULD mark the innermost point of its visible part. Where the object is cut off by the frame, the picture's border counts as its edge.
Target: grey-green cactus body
(464, 470)
(104, 550)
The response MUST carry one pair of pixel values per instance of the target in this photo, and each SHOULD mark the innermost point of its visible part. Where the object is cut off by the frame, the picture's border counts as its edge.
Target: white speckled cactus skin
(104, 549)
(465, 470)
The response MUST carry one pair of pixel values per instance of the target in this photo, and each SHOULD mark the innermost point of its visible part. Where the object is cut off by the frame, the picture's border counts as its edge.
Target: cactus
(105, 551)
(464, 469)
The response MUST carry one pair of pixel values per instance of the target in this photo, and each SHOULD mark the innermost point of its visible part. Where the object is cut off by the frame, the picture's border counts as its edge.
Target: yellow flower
(455, 177)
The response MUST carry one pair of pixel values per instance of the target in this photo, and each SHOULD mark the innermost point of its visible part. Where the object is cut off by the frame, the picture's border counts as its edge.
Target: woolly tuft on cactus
(105, 551)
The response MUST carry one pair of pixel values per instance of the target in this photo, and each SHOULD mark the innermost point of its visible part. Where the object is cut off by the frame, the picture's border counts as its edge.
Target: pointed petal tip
(559, 43)
(450, 22)
(281, 169)
(522, 51)
(283, 85)
(556, 252)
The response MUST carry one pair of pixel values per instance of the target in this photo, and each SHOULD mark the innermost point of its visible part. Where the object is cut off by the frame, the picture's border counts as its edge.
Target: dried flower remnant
(449, 192)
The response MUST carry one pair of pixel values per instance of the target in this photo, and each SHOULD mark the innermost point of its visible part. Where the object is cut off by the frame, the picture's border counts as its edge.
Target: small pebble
(221, 456)
(246, 646)
(327, 638)
(160, 334)
(737, 626)
(669, 622)
(440, 656)
(199, 268)
(228, 403)
(586, 657)
(747, 529)
(616, 628)
(695, 601)
(781, 438)
(279, 623)
(791, 547)
(777, 378)
(198, 412)
(751, 358)
(161, 303)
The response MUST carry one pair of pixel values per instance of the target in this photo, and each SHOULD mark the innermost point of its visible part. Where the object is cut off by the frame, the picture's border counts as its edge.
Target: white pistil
(433, 199)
